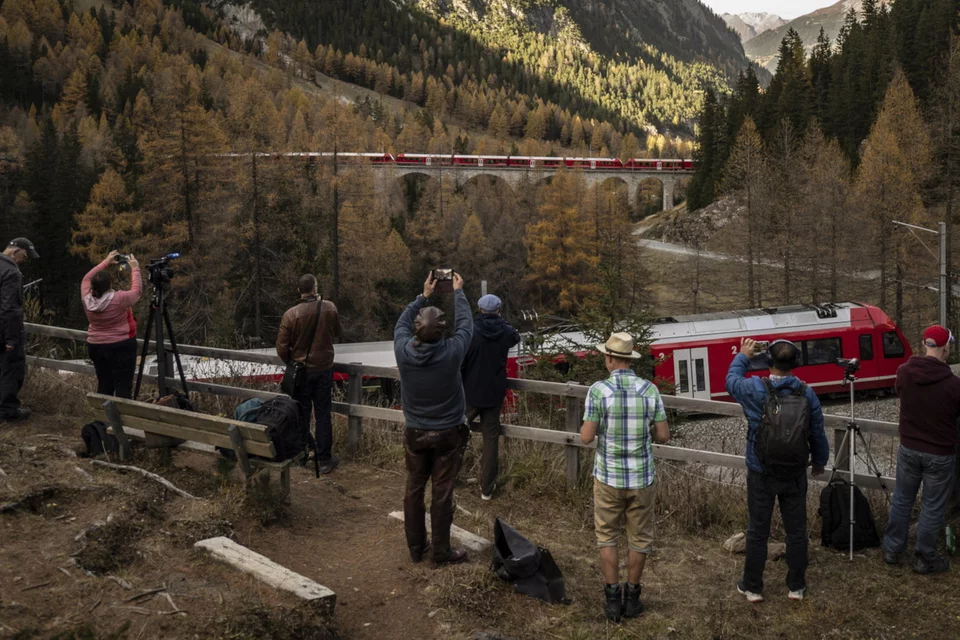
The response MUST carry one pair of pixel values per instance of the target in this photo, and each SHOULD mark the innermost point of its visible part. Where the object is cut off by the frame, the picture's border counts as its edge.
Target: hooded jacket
(430, 385)
(929, 405)
(111, 315)
(11, 302)
(752, 396)
(484, 368)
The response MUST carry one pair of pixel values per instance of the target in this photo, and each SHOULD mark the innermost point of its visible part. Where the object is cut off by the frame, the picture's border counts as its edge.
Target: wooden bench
(245, 439)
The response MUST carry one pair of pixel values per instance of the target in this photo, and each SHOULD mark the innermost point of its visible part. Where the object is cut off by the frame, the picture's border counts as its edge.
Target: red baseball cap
(936, 336)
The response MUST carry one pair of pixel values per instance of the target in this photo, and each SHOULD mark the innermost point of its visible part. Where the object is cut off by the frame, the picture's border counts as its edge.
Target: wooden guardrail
(573, 392)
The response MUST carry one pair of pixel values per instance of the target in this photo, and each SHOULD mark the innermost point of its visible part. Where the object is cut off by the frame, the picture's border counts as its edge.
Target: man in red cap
(929, 410)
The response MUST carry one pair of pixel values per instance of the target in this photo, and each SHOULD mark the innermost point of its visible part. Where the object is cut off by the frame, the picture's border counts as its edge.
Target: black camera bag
(835, 512)
(281, 417)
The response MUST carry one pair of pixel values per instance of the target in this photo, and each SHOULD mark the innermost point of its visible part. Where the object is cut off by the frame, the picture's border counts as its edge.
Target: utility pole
(944, 288)
(257, 256)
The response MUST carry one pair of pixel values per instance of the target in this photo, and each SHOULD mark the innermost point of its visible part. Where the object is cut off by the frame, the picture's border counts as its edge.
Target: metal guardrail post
(354, 397)
(572, 425)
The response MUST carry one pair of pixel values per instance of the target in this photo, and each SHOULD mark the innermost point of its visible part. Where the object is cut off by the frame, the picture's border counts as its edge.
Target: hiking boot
(935, 564)
(22, 414)
(457, 556)
(798, 594)
(891, 558)
(614, 606)
(753, 598)
(632, 605)
(328, 465)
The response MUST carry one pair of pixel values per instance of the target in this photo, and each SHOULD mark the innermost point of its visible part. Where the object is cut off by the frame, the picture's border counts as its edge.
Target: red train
(694, 352)
(529, 162)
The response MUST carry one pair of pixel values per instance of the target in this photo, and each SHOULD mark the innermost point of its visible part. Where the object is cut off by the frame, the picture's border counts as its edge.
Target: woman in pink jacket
(112, 336)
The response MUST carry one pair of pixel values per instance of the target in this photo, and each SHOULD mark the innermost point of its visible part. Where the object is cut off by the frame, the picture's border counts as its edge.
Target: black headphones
(797, 355)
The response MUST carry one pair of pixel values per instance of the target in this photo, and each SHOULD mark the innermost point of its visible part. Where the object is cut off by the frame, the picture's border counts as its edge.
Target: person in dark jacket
(433, 409)
(484, 373)
(929, 410)
(315, 350)
(13, 335)
(767, 486)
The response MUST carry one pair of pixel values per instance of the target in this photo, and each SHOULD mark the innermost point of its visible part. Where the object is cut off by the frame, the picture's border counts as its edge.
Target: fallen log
(166, 483)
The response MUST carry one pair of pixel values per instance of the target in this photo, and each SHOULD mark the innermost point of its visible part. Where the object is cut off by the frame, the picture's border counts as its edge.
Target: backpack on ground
(835, 513)
(783, 439)
(530, 568)
(281, 417)
(97, 440)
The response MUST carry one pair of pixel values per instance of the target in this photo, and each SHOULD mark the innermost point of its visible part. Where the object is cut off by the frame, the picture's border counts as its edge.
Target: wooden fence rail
(573, 392)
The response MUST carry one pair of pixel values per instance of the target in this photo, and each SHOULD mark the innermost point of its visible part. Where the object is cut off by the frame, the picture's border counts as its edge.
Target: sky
(783, 8)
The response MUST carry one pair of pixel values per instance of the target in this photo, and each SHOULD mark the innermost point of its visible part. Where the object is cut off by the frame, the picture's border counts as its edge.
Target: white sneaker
(798, 594)
(484, 496)
(751, 597)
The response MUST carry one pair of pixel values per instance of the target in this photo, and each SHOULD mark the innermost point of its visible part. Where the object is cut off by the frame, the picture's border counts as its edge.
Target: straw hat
(619, 345)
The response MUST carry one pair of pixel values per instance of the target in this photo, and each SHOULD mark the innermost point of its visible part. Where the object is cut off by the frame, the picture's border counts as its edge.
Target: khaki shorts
(612, 506)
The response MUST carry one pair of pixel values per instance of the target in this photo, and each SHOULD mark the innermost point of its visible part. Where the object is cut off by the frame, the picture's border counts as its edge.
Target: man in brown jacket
(293, 342)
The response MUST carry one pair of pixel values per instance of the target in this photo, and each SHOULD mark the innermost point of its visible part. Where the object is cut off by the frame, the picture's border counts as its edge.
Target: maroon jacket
(929, 405)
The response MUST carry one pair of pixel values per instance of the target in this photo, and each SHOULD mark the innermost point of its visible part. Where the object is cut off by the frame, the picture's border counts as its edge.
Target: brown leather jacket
(293, 340)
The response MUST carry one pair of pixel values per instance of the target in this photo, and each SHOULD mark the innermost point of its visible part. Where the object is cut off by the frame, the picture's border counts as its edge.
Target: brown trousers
(435, 456)
(490, 428)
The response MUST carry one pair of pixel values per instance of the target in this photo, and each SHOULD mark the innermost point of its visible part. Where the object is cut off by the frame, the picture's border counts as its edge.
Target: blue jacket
(430, 384)
(752, 395)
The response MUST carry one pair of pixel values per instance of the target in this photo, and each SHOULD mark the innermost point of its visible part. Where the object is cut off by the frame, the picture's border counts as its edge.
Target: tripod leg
(143, 354)
(836, 456)
(853, 485)
(176, 351)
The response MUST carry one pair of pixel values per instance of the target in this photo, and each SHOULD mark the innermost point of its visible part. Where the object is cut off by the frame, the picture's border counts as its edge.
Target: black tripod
(850, 438)
(158, 320)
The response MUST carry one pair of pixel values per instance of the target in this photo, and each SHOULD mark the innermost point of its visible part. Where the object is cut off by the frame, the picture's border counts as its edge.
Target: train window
(683, 384)
(825, 351)
(892, 345)
(700, 375)
(866, 347)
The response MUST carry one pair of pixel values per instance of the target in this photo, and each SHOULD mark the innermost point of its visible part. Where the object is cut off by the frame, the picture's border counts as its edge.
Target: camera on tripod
(850, 367)
(159, 270)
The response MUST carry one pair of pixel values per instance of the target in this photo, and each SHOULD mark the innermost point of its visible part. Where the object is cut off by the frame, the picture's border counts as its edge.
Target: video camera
(159, 270)
(850, 367)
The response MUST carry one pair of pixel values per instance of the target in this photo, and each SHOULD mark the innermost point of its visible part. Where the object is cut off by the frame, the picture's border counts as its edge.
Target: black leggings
(114, 363)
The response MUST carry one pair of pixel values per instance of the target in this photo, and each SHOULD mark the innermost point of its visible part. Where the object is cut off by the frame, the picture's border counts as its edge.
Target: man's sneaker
(488, 496)
(22, 414)
(632, 604)
(613, 607)
(328, 465)
(891, 558)
(798, 594)
(936, 564)
(751, 597)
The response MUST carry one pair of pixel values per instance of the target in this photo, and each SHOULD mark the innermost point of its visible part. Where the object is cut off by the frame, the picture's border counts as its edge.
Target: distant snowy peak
(751, 24)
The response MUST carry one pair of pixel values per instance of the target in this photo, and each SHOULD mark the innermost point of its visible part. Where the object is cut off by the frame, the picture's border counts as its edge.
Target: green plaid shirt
(625, 406)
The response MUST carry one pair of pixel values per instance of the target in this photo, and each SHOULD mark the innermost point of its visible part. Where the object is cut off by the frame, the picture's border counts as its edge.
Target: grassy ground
(337, 533)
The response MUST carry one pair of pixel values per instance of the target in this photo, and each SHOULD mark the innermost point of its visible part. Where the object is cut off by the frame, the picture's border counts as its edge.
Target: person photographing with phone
(784, 431)
(112, 332)
(434, 408)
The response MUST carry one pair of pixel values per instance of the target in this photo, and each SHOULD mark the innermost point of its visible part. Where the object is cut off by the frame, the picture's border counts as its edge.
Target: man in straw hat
(625, 414)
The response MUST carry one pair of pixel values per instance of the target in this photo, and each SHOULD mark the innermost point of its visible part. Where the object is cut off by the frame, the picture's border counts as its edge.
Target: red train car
(694, 352)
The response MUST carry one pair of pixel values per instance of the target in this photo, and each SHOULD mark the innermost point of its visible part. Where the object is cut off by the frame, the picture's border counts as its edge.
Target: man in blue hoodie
(433, 409)
(484, 372)
(767, 484)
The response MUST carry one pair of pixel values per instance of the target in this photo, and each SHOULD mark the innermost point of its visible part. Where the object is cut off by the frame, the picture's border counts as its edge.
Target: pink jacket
(110, 315)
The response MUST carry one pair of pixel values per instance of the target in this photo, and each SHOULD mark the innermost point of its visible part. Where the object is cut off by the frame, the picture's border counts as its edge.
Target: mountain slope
(763, 48)
(749, 25)
(634, 63)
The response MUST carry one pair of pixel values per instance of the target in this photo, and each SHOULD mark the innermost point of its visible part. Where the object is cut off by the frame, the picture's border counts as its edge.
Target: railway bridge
(517, 177)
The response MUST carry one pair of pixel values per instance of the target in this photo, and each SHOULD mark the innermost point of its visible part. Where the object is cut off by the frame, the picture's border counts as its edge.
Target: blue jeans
(316, 395)
(936, 475)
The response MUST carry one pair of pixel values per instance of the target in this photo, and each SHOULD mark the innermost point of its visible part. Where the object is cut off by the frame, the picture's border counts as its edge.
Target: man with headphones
(784, 431)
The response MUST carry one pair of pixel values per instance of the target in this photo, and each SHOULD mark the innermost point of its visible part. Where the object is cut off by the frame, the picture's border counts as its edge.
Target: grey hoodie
(430, 384)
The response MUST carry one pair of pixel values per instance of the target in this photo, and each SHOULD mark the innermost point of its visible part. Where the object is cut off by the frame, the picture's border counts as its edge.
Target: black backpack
(530, 568)
(835, 513)
(281, 416)
(783, 440)
(97, 440)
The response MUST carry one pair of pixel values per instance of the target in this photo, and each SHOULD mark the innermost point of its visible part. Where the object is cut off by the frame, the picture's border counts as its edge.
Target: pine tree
(744, 177)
